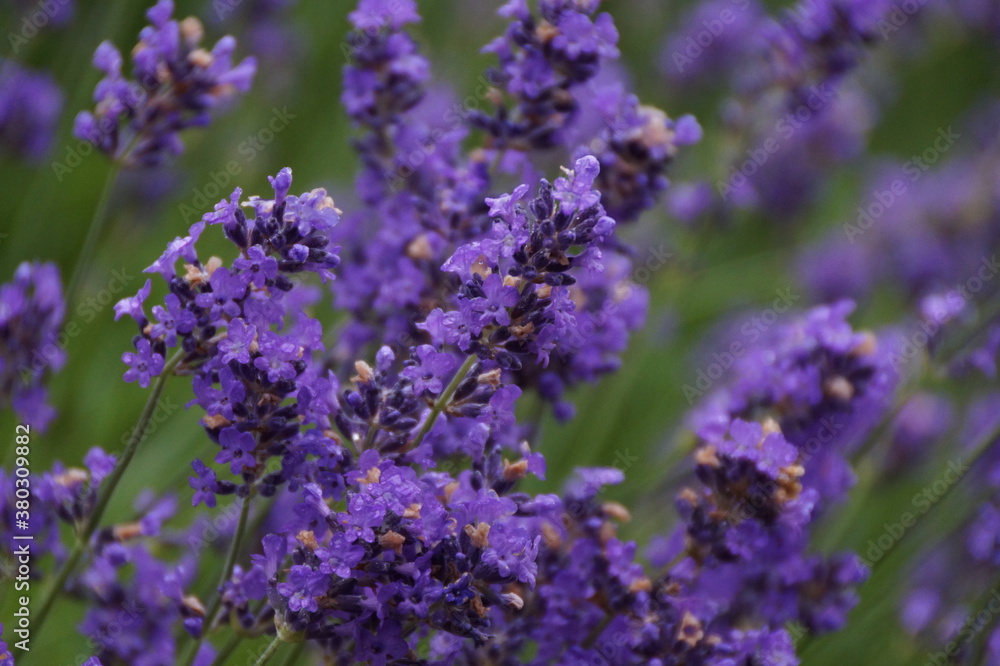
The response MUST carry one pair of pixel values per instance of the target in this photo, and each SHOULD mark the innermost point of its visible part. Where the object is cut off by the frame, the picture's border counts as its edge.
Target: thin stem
(58, 584)
(227, 571)
(443, 400)
(107, 490)
(269, 652)
(97, 224)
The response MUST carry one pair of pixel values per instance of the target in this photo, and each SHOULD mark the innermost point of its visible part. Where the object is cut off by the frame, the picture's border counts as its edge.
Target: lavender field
(535, 332)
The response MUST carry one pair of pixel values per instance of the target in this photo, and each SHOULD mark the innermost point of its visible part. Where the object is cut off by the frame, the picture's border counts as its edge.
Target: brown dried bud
(365, 373)
(838, 388)
(191, 30)
(200, 58)
(492, 378)
(515, 471)
(193, 604)
(392, 541)
(420, 248)
(308, 539)
(867, 346)
(126, 531)
(706, 455)
(479, 534)
(616, 511)
(690, 631)
(212, 421)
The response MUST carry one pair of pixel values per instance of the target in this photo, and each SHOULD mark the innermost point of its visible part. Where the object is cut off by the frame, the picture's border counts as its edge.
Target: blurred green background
(633, 419)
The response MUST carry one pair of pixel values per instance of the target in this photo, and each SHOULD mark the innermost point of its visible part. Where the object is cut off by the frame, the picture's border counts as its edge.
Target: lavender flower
(31, 316)
(30, 103)
(790, 101)
(242, 328)
(176, 84)
(541, 59)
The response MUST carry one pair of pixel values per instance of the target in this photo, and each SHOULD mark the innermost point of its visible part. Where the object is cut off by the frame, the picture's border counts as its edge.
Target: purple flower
(304, 585)
(132, 305)
(144, 364)
(237, 449)
(497, 298)
(239, 339)
(501, 407)
(176, 83)
(176, 249)
(430, 371)
(172, 320)
(205, 484)
(276, 357)
(30, 103)
(226, 290)
(31, 317)
(259, 267)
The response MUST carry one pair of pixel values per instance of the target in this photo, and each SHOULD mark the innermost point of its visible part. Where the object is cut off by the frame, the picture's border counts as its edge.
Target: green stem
(294, 655)
(443, 400)
(97, 224)
(107, 490)
(269, 652)
(227, 571)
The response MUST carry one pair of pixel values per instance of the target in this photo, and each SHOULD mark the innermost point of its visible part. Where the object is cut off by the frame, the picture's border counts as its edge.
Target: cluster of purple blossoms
(772, 456)
(791, 100)
(176, 84)
(822, 384)
(379, 463)
(30, 103)
(543, 60)
(429, 198)
(240, 329)
(148, 602)
(926, 229)
(31, 347)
